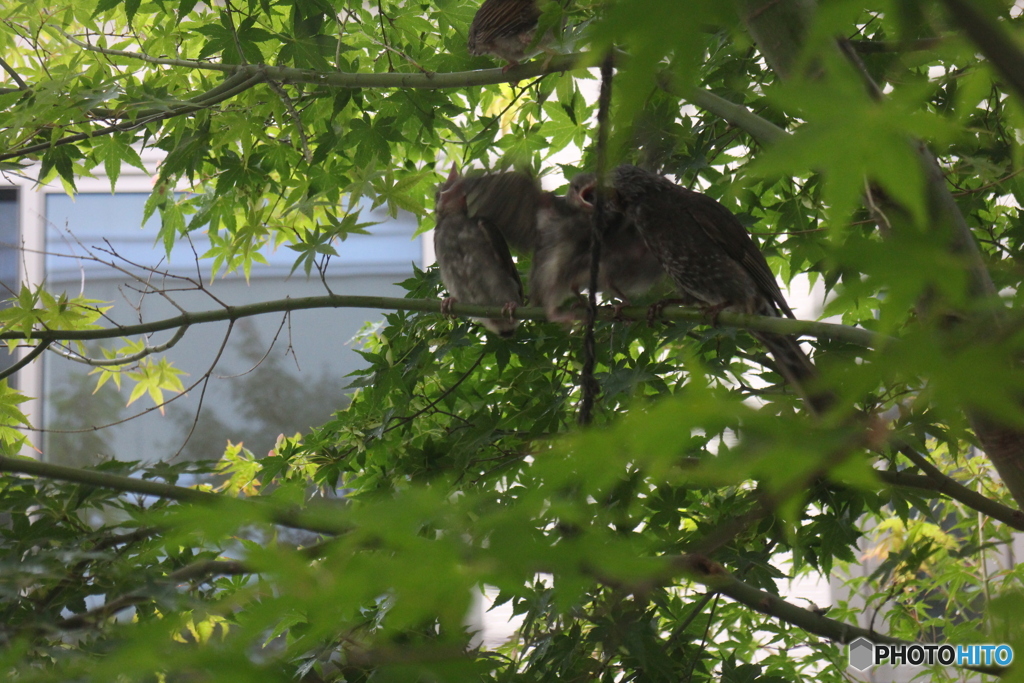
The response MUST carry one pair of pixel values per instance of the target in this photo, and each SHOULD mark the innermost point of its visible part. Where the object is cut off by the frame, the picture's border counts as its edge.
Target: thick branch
(717, 578)
(1004, 444)
(992, 39)
(935, 480)
(761, 129)
(13, 74)
(853, 335)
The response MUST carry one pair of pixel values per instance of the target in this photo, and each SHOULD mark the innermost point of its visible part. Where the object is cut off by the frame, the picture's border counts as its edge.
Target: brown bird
(509, 201)
(475, 263)
(506, 28)
(710, 256)
(628, 268)
(561, 261)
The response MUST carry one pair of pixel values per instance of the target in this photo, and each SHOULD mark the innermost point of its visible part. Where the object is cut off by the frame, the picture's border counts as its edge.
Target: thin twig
(296, 119)
(123, 360)
(588, 384)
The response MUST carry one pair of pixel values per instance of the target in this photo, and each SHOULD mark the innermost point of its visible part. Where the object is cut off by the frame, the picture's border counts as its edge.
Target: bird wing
(499, 18)
(508, 201)
(722, 226)
(502, 255)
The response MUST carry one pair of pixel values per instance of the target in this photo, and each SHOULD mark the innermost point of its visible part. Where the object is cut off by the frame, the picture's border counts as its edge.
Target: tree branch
(993, 41)
(429, 80)
(13, 74)
(243, 84)
(1002, 443)
(321, 519)
(196, 570)
(122, 360)
(819, 330)
(761, 129)
(717, 578)
(957, 491)
(29, 357)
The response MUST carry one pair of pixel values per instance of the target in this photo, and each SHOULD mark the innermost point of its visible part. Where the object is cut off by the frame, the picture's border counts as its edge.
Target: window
(251, 394)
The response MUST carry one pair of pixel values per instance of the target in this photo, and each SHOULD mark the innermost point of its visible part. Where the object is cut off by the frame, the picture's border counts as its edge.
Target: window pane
(252, 395)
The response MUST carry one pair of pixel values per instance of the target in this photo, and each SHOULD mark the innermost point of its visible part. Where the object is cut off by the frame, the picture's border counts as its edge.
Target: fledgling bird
(710, 256)
(506, 28)
(509, 201)
(475, 263)
(561, 260)
(628, 268)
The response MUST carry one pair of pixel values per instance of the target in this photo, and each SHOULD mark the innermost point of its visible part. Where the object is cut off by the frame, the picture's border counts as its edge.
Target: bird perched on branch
(561, 260)
(475, 263)
(561, 263)
(506, 28)
(509, 201)
(628, 267)
(710, 256)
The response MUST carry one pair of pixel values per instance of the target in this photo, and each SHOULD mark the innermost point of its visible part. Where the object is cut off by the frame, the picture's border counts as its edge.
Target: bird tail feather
(798, 370)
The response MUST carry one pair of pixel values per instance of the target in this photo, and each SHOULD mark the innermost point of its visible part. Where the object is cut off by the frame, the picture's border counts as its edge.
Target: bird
(508, 200)
(561, 259)
(506, 28)
(473, 257)
(628, 268)
(711, 257)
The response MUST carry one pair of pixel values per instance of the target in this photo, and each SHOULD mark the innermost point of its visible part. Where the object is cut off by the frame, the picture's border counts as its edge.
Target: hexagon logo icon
(862, 654)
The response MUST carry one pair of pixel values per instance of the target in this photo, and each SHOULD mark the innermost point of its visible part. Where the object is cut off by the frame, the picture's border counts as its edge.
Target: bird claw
(446, 306)
(617, 309)
(712, 312)
(655, 310)
(509, 310)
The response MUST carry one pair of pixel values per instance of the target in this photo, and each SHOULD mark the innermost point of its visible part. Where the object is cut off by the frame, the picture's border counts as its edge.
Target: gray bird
(561, 260)
(710, 256)
(475, 263)
(506, 28)
(509, 201)
(628, 267)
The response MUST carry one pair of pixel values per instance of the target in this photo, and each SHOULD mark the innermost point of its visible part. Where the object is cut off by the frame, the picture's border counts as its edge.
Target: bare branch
(130, 125)
(951, 487)
(992, 39)
(717, 578)
(203, 569)
(427, 80)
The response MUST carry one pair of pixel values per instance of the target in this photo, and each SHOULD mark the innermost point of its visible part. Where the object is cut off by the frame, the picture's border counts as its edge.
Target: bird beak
(453, 174)
(452, 196)
(588, 194)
